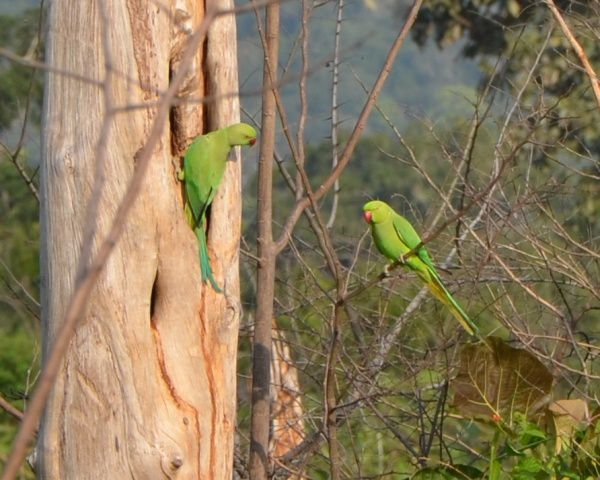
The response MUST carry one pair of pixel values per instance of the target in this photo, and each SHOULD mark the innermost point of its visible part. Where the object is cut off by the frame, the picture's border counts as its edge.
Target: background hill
(424, 81)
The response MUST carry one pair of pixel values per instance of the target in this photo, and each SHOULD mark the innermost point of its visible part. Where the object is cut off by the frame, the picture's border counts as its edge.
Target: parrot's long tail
(441, 292)
(205, 268)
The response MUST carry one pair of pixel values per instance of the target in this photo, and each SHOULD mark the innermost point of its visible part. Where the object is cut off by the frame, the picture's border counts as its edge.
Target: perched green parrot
(394, 237)
(203, 169)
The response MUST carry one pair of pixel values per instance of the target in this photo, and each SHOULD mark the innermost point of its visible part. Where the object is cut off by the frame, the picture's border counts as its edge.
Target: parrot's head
(376, 211)
(241, 134)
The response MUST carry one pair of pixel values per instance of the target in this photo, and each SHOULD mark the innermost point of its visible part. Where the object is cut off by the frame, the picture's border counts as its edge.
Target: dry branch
(579, 51)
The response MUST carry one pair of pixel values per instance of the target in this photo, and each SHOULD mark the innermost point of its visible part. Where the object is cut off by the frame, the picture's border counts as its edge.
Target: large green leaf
(494, 380)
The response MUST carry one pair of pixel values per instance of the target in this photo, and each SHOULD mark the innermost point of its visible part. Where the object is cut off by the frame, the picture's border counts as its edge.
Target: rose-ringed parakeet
(394, 237)
(203, 168)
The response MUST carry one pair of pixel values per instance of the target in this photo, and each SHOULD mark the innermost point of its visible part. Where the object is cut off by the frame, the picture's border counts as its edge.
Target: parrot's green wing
(422, 264)
(203, 167)
(409, 236)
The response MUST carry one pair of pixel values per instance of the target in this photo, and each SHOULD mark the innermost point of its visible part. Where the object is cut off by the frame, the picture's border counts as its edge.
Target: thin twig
(579, 51)
(8, 408)
(14, 159)
(334, 111)
(21, 286)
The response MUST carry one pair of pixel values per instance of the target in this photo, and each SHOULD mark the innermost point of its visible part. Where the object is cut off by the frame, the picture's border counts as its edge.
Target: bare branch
(594, 81)
(334, 111)
(8, 408)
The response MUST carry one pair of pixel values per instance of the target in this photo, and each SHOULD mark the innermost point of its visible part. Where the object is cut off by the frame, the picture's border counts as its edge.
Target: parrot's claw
(387, 269)
(179, 173)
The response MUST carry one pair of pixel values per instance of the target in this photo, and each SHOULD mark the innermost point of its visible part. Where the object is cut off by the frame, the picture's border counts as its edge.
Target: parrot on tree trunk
(203, 168)
(395, 237)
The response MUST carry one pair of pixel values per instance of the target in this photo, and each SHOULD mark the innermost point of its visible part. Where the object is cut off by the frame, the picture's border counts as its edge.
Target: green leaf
(467, 471)
(528, 464)
(531, 434)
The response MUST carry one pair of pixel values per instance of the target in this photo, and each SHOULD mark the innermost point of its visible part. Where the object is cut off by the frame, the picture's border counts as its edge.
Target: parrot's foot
(386, 271)
(179, 173)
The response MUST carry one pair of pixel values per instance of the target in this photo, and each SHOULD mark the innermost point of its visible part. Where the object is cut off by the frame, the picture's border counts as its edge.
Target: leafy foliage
(19, 287)
(512, 33)
(20, 88)
(19, 247)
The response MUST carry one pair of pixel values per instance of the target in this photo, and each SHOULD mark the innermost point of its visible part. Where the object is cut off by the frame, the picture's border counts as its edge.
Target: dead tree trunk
(288, 411)
(147, 386)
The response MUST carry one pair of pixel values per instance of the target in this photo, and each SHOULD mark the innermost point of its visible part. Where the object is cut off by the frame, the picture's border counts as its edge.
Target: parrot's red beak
(368, 216)
(252, 141)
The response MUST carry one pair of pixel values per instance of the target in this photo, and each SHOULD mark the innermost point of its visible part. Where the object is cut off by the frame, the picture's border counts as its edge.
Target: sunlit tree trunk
(288, 411)
(147, 386)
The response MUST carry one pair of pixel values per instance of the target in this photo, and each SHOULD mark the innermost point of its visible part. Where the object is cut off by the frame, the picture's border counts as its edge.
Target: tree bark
(147, 386)
(288, 411)
(260, 423)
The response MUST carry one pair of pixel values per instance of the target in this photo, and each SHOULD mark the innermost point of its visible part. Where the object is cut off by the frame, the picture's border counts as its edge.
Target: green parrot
(203, 169)
(394, 237)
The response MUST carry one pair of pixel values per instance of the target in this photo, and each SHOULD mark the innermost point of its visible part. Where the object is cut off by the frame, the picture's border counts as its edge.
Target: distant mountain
(426, 82)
